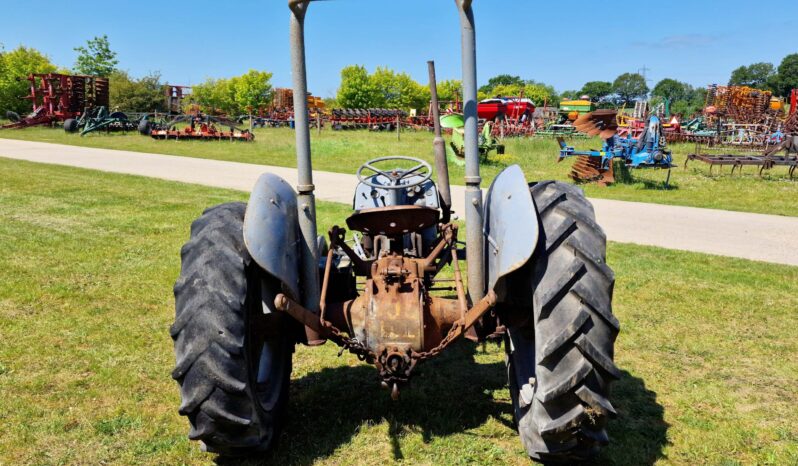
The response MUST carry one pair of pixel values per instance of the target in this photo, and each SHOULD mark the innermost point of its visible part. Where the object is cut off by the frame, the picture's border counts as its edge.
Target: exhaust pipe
(439, 145)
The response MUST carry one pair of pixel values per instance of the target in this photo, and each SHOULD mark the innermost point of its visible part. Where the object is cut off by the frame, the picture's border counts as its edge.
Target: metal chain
(454, 332)
(353, 345)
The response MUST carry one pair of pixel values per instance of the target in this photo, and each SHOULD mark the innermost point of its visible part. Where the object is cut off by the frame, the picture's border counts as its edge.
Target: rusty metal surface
(602, 123)
(392, 306)
(588, 169)
(395, 323)
(737, 162)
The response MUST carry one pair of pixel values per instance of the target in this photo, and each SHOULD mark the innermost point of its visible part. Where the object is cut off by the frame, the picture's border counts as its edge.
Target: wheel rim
(270, 374)
(267, 346)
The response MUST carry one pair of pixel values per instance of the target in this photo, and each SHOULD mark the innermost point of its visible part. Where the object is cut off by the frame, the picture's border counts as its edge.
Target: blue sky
(560, 43)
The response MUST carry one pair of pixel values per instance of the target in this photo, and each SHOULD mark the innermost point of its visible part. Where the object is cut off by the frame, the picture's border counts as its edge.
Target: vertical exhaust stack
(441, 165)
(473, 201)
(309, 272)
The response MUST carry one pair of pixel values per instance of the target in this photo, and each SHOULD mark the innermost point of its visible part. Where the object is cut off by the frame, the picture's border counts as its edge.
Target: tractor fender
(510, 229)
(271, 231)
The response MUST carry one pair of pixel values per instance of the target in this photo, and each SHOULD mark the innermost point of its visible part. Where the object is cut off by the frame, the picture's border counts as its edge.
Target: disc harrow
(587, 169)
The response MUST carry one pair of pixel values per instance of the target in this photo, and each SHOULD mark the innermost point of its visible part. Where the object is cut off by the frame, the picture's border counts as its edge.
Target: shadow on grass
(623, 175)
(449, 395)
(639, 433)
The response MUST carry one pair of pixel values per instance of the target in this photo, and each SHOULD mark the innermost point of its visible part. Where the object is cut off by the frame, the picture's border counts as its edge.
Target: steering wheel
(423, 169)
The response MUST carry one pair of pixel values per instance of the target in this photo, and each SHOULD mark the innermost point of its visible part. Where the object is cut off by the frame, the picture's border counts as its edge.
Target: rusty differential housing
(396, 317)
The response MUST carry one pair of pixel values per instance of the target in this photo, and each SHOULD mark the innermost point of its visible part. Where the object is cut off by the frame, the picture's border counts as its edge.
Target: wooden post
(318, 122)
(398, 128)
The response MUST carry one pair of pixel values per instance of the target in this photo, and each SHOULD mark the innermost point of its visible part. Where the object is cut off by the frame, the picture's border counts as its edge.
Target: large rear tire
(233, 350)
(560, 362)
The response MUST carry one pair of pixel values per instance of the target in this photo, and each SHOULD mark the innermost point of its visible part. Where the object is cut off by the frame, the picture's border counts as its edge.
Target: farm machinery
(373, 119)
(455, 150)
(648, 150)
(765, 159)
(198, 127)
(281, 111)
(59, 97)
(99, 119)
(739, 117)
(256, 280)
(512, 116)
(750, 129)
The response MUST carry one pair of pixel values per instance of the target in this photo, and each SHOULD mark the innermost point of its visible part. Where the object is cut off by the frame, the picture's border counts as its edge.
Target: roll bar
(305, 188)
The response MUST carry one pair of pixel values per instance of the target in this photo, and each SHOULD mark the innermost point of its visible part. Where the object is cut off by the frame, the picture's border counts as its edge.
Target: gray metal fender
(511, 228)
(271, 230)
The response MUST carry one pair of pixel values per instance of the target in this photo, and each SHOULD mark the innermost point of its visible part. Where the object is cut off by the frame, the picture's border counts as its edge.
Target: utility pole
(642, 71)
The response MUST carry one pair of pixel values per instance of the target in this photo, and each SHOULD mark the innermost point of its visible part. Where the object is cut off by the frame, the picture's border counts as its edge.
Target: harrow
(199, 127)
(59, 97)
(97, 119)
(375, 119)
(766, 160)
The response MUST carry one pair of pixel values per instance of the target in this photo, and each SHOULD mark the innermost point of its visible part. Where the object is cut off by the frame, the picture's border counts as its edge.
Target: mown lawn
(774, 193)
(88, 261)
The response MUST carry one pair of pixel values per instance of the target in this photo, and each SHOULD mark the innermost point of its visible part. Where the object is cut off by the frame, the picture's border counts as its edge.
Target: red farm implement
(513, 115)
(200, 127)
(58, 97)
(375, 119)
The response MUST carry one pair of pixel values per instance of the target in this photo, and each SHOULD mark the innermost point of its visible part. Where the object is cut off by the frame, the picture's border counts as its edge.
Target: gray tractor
(256, 280)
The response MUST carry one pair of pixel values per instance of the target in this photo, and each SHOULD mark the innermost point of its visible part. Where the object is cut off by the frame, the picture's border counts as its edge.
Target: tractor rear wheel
(12, 116)
(233, 350)
(560, 359)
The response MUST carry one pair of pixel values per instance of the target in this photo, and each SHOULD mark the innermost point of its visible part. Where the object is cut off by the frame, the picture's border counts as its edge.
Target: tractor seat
(393, 220)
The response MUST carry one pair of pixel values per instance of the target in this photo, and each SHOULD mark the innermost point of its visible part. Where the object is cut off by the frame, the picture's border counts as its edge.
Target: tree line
(359, 88)
(234, 96)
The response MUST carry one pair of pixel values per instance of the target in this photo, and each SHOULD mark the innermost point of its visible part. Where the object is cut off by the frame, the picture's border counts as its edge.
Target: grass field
(707, 348)
(343, 152)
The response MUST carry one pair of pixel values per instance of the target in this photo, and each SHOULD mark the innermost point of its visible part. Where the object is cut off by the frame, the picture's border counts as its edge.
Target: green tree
(15, 66)
(570, 95)
(629, 87)
(96, 58)
(398, 90)
(356, 89)
(596, 90)
(758, 75)
(541, 94)
(252, 90)
(500, 80)
(450, 90)
(216, 96)
(507, 90)
(787, 78)
(136, 95)
(538, 93)
(672, 90)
